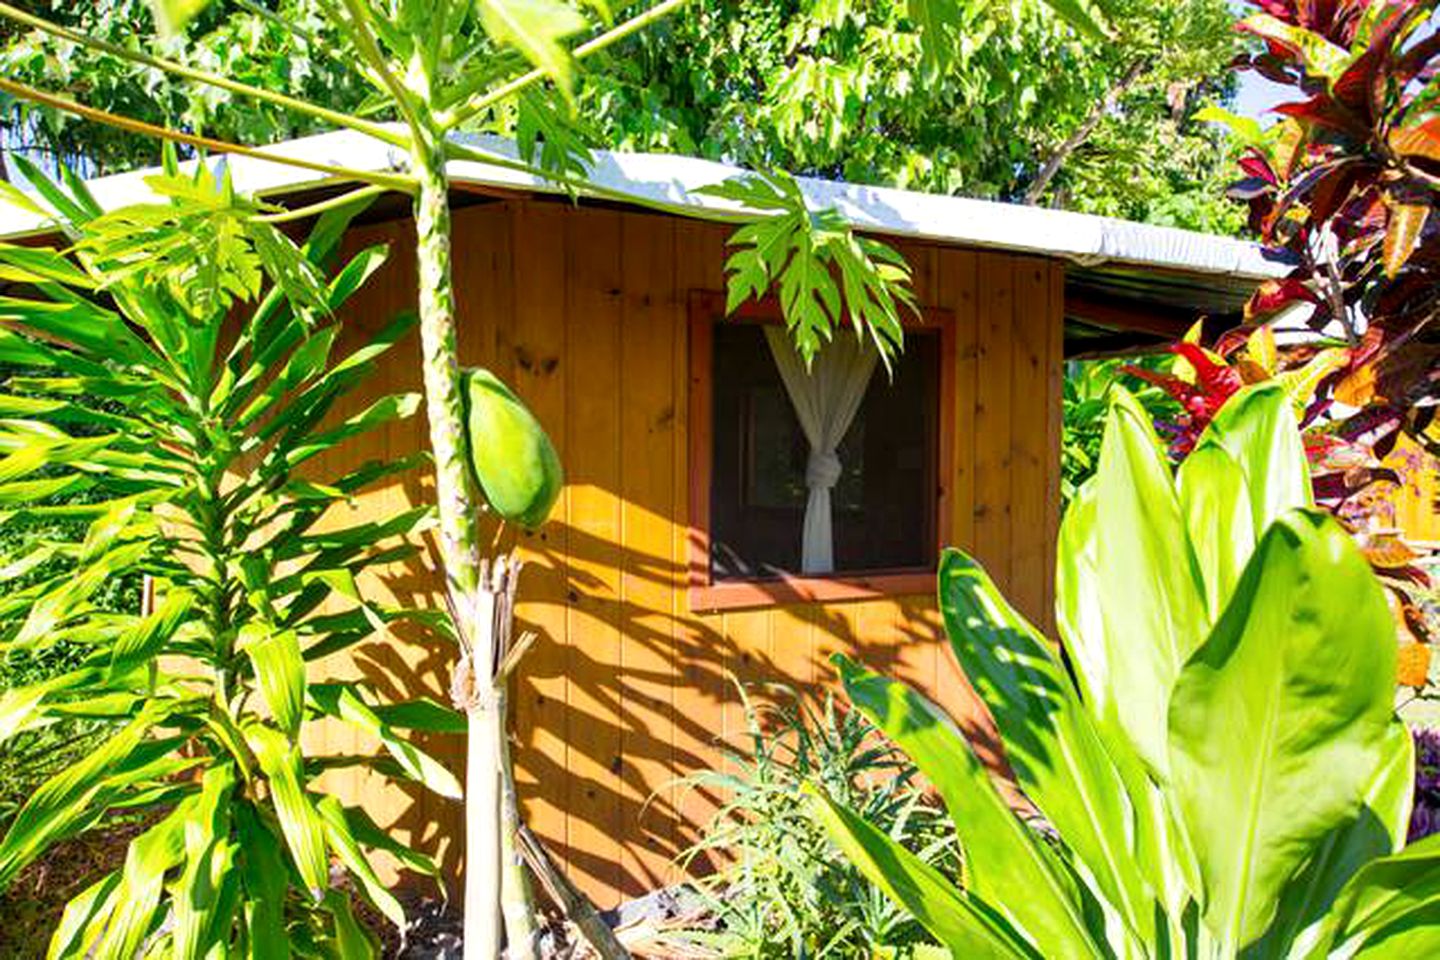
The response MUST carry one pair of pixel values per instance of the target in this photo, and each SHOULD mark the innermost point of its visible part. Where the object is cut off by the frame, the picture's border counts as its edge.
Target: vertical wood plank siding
(583, 310)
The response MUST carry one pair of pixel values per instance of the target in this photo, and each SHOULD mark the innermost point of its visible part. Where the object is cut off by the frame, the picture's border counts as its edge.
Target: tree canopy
(842, 88)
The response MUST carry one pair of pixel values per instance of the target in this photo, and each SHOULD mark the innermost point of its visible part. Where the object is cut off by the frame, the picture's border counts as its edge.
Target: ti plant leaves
(190, 361)
(1224, 776)
(824, 272)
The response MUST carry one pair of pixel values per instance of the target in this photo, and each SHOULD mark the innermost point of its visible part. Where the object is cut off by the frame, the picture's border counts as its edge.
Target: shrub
(784, 890)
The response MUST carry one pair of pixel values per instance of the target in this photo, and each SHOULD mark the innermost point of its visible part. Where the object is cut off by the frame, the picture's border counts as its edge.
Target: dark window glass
(883, 507)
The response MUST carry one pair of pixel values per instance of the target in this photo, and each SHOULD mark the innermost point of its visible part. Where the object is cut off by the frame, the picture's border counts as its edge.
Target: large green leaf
(206, 892)
(1144, 583)
(137, 901)
(1257, 428)
(1304, 916)
(279, 672)
(301, 825)
(1050, 741)
(1390, 893)
(1001, 855)
(146, 636)
(347, 849)
(83, 921)
(801, 251)
(1279, 723)
(951, 917)
(1216, 503)
(1078, 612)
(263, 874)
(73, 795)
(536, 28)
(338, 700)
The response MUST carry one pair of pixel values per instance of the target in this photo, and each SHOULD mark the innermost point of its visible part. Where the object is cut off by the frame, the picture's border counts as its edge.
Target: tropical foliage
(1086, 402)
(1347, 476)
(783, 889)
(212, 340)
(1224, 772)
(946, 97)
(739, 81)
(1345, 185)
(284, 46)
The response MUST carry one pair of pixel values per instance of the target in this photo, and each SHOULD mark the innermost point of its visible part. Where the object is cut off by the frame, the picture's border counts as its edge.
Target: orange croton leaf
(1357, 388)
(1389, 552)
(1402, 236)
(1420, 140)
(1413, 665)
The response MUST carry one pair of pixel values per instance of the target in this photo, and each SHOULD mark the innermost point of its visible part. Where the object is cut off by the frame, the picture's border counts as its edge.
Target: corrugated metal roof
(674, 180)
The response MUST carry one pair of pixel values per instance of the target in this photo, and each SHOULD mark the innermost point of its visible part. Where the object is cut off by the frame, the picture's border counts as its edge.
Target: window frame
(705, 594)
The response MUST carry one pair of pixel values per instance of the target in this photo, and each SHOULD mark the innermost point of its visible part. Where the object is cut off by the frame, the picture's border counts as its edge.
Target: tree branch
(366, 127)
(1082, 133)
(389, 180)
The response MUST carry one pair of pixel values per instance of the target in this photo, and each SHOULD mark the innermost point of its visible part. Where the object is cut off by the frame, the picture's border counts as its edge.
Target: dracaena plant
(1345, 186)
(1220, 763)
(211, 339)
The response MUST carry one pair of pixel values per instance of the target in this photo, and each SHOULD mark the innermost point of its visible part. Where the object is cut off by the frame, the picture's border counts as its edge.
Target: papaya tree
(212, 341)
(1217, 761)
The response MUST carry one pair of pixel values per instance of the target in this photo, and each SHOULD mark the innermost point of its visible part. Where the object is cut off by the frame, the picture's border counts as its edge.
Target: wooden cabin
(674, 562)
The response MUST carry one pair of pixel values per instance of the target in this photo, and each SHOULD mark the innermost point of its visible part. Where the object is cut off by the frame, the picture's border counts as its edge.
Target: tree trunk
(482, 832)
(473, 604)
(517, 906)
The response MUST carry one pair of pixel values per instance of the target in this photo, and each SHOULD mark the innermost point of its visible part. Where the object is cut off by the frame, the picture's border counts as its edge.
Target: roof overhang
(1141, 276)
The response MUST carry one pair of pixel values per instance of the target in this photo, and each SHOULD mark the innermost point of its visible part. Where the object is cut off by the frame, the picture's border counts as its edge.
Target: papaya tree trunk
(480, 605)
(483, 919)
(516, 904)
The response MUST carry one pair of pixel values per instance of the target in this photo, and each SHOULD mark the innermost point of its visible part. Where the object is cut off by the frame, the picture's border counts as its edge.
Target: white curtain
(826, 399)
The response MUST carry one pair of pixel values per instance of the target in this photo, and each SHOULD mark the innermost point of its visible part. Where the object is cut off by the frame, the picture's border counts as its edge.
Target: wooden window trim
(708, 596)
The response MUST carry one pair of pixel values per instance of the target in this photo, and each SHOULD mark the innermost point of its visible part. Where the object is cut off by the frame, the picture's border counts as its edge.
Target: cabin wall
(584, 311)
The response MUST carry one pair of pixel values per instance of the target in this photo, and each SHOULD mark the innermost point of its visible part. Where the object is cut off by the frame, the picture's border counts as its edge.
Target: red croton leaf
(1214, 379)
(1325, 111)
(1233, 339)
(1281, 9)
(1255, 164)
(1335, 187)
(1273, 296)
(1364, 84)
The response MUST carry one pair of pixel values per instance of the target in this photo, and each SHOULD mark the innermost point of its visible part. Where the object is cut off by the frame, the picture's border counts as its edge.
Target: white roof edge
(673, 180)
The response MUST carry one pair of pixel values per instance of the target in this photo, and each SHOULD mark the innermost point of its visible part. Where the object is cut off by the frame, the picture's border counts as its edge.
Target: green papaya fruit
(512, 457)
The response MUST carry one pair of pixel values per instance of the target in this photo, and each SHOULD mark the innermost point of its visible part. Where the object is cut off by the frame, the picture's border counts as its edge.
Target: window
(761, 533)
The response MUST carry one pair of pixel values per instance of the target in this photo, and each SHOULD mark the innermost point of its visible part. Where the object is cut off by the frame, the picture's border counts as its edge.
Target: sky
(1257, 95)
